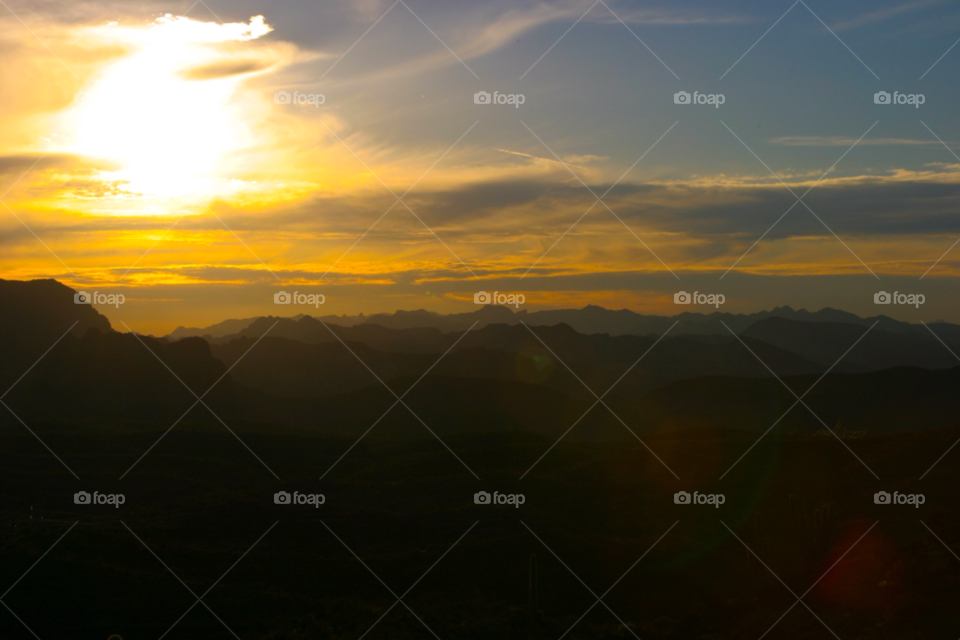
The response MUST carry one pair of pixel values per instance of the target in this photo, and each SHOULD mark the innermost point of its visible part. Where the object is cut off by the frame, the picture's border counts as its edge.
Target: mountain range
(588, 320)
(534, 372)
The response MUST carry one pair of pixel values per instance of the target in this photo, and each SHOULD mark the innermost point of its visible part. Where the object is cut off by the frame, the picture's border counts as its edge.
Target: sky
(200, 158)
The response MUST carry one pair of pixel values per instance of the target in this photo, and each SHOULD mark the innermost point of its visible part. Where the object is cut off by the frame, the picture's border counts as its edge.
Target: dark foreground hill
(825, 342)
(33, 315)
(204, 506)
(324, 366)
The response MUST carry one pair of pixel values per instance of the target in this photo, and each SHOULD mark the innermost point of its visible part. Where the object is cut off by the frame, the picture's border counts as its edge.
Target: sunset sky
(146, 149)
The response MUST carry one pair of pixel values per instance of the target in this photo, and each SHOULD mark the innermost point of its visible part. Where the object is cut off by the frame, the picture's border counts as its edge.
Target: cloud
(844, 141)
(23, 169)
(300, 199)
(475, 30)
(571, 160)
(169, 29)
(22, 162)
(686, 16)
(887, 13)
(222, 69)
(505, 211)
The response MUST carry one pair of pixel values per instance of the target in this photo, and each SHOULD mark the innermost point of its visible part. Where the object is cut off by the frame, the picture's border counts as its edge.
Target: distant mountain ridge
(590, 319)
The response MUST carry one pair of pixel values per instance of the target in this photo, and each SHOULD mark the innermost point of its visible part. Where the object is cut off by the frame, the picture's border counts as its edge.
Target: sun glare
(168, 126)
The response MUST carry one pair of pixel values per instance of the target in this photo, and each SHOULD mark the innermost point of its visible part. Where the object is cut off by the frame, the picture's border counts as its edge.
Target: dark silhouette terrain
(500, 412)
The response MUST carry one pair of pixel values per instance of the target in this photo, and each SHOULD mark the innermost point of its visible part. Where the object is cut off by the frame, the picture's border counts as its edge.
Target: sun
(170, 112)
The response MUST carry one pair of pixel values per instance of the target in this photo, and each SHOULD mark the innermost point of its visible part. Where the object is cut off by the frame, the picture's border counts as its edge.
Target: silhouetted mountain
(236, 327)
(593, 319)
(311, 330)
(113, 375)
(225, 328)
(33, 316)
(484, 315)
(894, 400)
(825, 342)
(93, 372)
(281, 366)
(588, 320)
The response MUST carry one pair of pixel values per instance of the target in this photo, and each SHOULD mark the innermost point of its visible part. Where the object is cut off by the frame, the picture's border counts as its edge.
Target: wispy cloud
(882, 15)
(845, 141)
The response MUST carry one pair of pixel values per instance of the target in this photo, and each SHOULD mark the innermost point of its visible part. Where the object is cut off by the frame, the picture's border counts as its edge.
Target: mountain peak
(491, 311)
(32, 304)
(35, 314)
